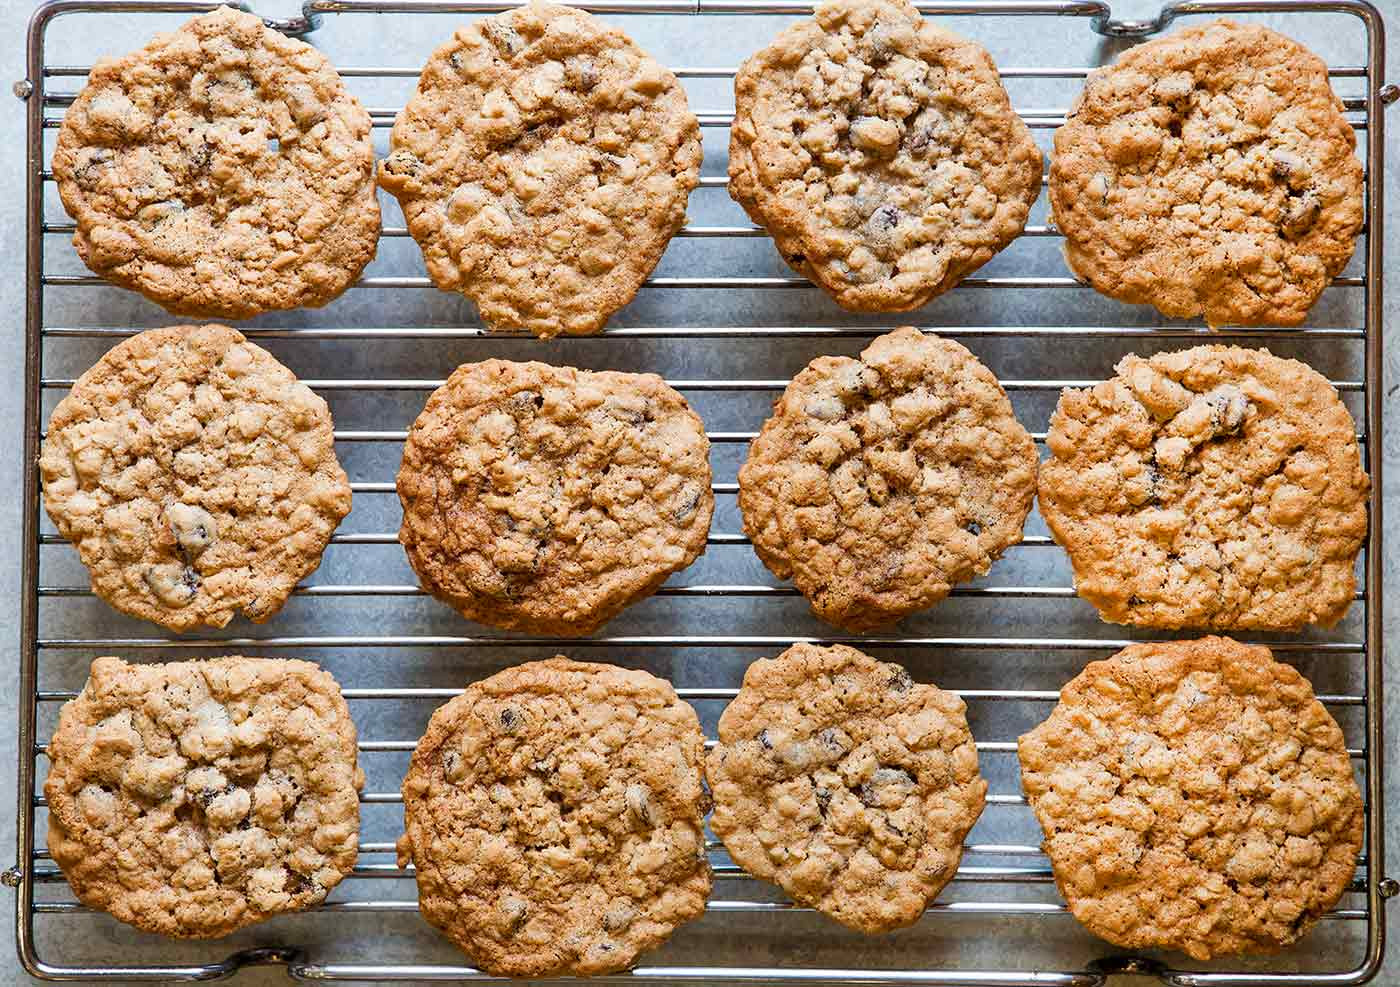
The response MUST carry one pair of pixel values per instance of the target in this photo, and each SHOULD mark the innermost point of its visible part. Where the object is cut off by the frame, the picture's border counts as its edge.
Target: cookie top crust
(846, 783)
(194, 798)
(195, 475)
(881, 152)
(221, 171)
(1209, 173)
(554, 815)
(543, 165)
(547, 499)
(878, 483)
(1213, 487)
(1194, 796)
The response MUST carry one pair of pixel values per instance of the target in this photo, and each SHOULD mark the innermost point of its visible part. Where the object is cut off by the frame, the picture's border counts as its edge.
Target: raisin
(886, 217)
(687, 508)
(901, 680)
(835, 742)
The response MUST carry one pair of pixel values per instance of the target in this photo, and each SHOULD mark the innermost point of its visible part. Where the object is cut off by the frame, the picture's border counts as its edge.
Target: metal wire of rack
(1358, 648)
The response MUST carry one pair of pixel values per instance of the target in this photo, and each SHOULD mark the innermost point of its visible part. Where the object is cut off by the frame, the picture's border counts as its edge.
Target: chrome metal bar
(699, 589)
(1081, 8)
(329, 972)
(714, 905)
(646, 641)
(359, 384)
(400, 435)
(726, 283)
(695, 694)
(685, 232)
(984, 849)
(706, 72)
(721, 120)
(387, 487)
(969, 849)
(1374, 663)
(392, 538)
(27, 701)
(745, 332)
(727, 871)
(408, 746)
(708, 118)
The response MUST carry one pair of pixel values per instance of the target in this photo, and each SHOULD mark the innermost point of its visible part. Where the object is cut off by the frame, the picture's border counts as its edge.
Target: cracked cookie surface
(1194, 796)
(223, 170)
(547, 499)
(881, 152)
(1210, 172)
(878, 483)
(195, 475)
(840, 779)
(543, 165)
(554, 814)
(1213, 487)
(194, 798)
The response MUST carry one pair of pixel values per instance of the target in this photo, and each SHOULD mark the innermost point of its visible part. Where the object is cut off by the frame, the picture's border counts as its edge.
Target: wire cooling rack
(719, 321)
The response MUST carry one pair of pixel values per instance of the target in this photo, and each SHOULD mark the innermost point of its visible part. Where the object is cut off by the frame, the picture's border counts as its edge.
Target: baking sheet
(940, 940)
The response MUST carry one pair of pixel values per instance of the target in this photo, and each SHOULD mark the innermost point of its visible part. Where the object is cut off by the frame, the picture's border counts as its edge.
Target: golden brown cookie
(193, 798)
(849, 785)
(1214, 487)
(547, 499)
(1194, 796)
(554, 815)
(195, 475)
(543, 165)
(881, 152)
(221, 171)
(880, 482)
(1209, 172)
